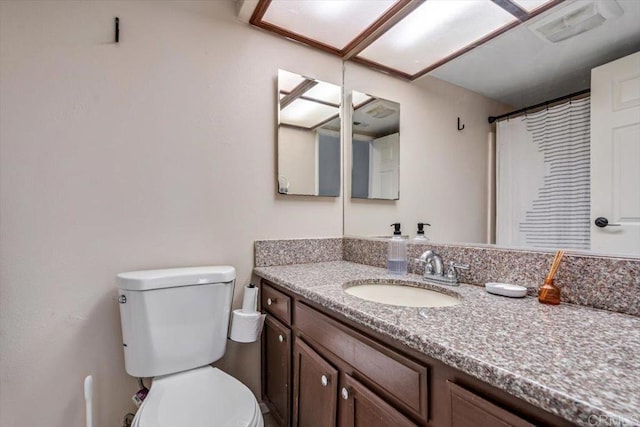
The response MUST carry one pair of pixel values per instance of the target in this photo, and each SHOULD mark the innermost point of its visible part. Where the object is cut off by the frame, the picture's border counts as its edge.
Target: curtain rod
(492, 119)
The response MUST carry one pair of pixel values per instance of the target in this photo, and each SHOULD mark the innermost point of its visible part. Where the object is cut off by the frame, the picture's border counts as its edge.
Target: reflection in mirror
(556, 196)
(308, 136)
(375, 169)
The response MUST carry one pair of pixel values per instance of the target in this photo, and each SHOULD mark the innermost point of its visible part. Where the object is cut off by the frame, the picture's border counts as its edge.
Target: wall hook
(117, 24)
(460, 128)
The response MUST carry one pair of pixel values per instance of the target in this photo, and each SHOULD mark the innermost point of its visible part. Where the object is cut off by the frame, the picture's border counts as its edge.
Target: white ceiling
(518, 67)
(521, 69)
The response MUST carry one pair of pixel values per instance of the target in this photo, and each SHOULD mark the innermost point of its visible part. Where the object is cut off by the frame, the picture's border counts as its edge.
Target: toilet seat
(202, 397)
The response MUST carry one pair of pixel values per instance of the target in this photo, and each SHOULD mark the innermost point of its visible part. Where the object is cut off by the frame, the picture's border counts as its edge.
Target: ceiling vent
(576, 18)
(380, 111)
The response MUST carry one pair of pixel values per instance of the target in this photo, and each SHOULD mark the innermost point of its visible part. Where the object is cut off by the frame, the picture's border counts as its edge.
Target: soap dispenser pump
(397, 254)
(420, 237)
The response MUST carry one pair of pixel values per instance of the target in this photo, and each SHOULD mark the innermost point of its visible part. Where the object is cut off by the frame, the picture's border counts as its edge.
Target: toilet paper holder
(247, 322)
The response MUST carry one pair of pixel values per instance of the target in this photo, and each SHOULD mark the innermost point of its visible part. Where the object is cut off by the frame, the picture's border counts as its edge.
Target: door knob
(603, 222)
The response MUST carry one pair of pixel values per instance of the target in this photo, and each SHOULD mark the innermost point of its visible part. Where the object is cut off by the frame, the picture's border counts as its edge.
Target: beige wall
(159, 152)
(156, 152)
(443, 171)
(297, 159)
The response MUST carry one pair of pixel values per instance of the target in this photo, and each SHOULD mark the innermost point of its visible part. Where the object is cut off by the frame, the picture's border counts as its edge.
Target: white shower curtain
(543, 178)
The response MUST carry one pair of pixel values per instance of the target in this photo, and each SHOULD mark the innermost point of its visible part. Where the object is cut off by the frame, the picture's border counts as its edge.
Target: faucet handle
(452, 272)
(460, 266)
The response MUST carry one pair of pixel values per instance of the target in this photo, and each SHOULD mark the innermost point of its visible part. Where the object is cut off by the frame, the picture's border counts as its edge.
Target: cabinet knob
(281, 338)
(324, 381)
(270, 301)
(344, 393)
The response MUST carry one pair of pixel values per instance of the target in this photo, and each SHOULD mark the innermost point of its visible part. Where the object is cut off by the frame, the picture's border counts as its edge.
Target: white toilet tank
(174, 319)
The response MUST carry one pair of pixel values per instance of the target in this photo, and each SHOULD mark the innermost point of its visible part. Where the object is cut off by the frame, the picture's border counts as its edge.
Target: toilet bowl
(174, 325)
(202, 397)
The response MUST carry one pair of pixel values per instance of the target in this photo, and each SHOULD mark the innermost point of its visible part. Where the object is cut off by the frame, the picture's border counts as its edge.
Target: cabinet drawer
(470, 410)
(276, 303)
(402, 379)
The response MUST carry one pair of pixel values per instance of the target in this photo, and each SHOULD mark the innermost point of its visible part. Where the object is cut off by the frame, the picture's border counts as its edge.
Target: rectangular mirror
(375, 144)
(308, 136)
(449, 146)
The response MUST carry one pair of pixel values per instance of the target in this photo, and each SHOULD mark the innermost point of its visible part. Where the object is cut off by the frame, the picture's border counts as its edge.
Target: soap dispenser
(397, 254)
(420, 237)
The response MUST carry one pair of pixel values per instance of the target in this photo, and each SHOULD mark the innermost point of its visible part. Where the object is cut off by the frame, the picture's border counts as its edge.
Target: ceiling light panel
(331, 22)
(531, 5)
(326, 92)
(287, 81)
(306, 114)
(435, 30)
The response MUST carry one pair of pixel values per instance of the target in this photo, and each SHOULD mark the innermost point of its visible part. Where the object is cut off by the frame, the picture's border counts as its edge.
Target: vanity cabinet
(470, 410)
(315, 388)
(321, 369)
(370, 368)
(276, 354)
(360, 407)
(322, 396)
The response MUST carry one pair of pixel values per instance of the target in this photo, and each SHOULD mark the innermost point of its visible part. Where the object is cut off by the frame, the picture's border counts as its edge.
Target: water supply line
(128, 420)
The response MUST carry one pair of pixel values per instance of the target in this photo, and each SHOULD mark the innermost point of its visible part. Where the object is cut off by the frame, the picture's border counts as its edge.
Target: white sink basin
(401, 295)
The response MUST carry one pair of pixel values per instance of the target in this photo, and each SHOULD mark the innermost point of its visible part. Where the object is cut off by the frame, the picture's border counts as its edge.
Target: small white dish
(506, 289)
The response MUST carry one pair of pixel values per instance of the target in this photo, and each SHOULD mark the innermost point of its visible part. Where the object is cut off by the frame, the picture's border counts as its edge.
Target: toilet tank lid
(172, 277)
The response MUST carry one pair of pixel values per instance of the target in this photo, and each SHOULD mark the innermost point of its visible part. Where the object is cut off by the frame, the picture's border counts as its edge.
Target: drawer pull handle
(281, 338)
(345, 393)
(271, 301)
(324, 381)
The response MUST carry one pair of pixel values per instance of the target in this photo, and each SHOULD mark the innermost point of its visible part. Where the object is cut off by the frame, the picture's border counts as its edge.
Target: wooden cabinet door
(315, 388)
(276, 353)
(470, 410)
(360, 407)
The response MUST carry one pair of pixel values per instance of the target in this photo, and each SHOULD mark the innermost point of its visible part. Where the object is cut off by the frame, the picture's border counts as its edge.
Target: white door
(615, 156)
(385, 166)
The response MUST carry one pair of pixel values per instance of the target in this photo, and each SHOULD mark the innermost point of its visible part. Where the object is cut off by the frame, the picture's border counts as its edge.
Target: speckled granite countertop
(579, 363)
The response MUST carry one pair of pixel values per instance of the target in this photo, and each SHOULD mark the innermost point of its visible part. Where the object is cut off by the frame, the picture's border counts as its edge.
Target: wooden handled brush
(550, 293)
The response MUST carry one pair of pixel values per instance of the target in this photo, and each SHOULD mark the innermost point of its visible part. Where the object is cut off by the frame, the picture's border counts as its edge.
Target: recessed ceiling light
(326, 92)
(306, 114)
(334, 23)
(531, 5)
(434, 31)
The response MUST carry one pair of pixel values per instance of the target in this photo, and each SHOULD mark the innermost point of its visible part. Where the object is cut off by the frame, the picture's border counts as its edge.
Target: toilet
(174, 325)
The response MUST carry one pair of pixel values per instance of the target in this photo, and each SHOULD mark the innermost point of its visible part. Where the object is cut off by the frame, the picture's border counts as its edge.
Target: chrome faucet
(432, 263)
(433, 269)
